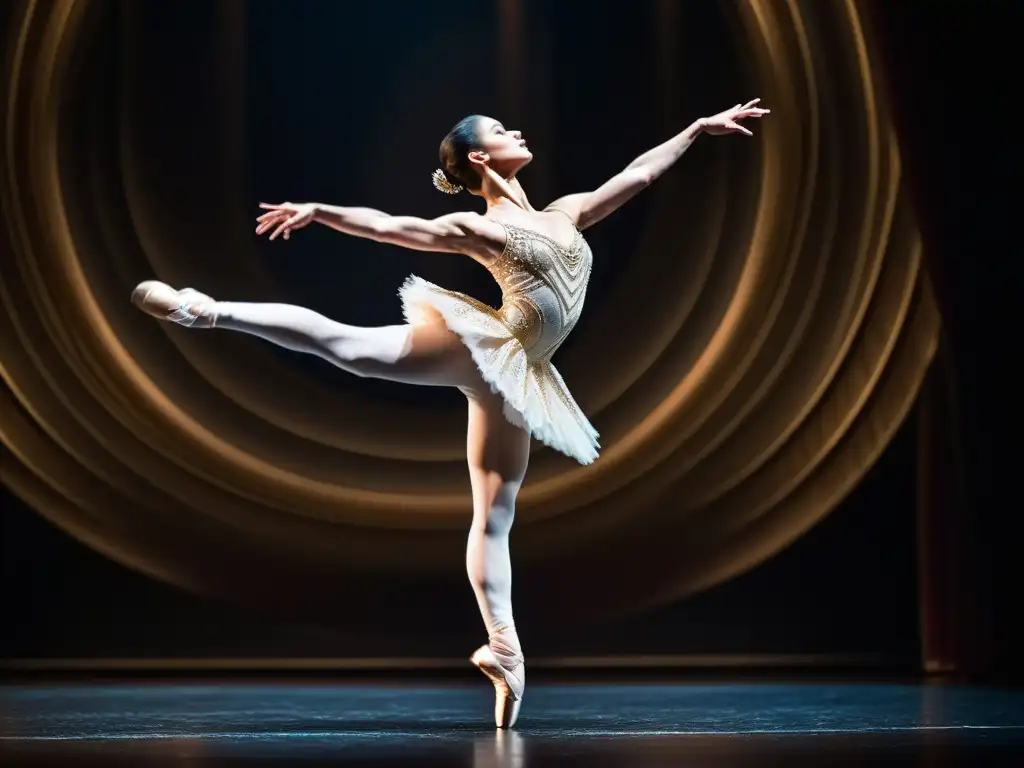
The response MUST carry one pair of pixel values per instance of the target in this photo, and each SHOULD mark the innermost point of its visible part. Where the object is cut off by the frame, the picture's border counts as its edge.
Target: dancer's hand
(284, 218)
(726, 122)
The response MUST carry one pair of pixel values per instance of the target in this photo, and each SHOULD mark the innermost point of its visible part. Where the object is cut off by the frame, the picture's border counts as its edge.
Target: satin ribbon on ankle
(508, 655)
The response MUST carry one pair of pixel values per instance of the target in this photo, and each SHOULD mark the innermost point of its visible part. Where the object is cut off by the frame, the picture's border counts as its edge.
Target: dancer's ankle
(504, 643)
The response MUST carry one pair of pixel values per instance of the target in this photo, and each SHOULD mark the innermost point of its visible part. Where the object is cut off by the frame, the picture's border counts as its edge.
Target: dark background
(849, 586)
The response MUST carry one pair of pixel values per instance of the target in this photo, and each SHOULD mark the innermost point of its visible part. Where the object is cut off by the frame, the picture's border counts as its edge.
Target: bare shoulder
(483, 238)
(570, 205)
(473, 223)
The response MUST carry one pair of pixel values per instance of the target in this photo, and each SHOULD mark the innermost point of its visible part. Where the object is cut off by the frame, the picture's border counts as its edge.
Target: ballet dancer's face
(502, 150)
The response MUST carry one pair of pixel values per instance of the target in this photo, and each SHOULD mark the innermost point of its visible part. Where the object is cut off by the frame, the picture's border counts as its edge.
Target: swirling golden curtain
(780, 351)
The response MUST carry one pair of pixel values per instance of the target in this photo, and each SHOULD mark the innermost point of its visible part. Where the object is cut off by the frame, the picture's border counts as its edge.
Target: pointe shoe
(509, 685)
(186, 307)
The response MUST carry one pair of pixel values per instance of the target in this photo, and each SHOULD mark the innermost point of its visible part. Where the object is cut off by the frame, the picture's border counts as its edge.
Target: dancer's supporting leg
(498, 453)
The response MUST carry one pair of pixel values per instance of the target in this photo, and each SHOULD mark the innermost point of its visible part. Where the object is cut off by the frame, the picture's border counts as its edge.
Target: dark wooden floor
(432, 723)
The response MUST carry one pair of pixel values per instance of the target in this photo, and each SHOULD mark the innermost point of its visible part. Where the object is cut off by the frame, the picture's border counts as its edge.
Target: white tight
(497, 451)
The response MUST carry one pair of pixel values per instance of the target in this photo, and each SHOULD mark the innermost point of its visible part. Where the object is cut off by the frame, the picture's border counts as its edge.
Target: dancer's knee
(499, 523)
(495, 522)
(496, 511)
(369, 352)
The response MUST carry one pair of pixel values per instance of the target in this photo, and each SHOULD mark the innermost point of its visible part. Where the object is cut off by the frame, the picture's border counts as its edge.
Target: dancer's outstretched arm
(463, 232)
(588, 208)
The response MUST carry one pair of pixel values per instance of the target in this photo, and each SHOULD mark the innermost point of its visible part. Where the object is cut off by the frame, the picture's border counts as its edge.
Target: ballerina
(500, 359)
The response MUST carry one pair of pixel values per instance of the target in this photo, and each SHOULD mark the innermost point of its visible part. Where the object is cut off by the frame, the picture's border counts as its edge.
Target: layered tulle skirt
(536, 398)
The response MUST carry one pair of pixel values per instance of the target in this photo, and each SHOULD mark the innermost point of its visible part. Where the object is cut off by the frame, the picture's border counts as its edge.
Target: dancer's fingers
(281, 228)
(270, 222)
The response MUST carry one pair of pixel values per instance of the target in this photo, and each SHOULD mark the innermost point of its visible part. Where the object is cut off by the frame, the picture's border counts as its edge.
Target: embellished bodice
(543, 284)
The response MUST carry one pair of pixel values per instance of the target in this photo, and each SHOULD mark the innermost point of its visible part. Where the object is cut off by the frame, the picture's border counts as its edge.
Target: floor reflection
(590, 725)
(503, 749)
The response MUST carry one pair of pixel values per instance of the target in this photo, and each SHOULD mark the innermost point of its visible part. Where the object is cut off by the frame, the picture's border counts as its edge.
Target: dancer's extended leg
(427, 353)
(498, 453)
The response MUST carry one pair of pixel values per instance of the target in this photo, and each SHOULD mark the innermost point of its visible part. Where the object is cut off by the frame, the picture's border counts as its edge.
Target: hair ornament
(441, 182)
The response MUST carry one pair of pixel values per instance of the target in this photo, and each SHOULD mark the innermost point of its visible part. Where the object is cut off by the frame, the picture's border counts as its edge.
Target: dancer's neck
(499, 193)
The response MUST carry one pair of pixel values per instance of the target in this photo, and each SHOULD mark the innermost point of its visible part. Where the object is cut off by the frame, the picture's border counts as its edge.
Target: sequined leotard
(543, 285)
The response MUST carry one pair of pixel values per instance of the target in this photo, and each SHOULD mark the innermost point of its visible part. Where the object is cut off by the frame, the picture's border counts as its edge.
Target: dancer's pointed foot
(186, 307)
(509, 679)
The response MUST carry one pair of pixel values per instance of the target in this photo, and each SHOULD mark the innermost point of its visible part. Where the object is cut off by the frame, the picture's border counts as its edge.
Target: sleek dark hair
(454, 153)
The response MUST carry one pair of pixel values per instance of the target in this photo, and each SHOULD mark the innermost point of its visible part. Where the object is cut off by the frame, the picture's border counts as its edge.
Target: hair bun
(440, 179)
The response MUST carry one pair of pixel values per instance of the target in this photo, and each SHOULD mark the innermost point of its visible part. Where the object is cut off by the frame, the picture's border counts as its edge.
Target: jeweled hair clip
(442, 183)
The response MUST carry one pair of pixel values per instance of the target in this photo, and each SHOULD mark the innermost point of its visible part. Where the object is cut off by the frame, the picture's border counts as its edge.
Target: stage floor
(591, 724)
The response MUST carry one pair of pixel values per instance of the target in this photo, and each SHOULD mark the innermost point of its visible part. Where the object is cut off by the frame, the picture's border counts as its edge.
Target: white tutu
(536, 397)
